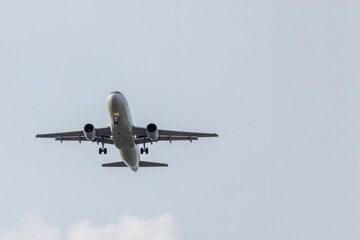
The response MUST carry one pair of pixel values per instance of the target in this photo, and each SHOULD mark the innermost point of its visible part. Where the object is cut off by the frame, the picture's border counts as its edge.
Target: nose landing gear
(116, 118)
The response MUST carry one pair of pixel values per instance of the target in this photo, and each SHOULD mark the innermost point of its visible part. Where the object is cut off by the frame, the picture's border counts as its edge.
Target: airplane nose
(116, 92)
(135, 169)
(113, 96)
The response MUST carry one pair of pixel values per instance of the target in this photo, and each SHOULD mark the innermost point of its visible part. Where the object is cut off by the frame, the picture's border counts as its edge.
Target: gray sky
(315, 116)
(277, 80)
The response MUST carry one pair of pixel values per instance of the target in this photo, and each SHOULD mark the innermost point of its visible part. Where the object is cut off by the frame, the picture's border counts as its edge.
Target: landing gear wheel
(144, 149)
(100, 150)
(116, 122)
(105, 150)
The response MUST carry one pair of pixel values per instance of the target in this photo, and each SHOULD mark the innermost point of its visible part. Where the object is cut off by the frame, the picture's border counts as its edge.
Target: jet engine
(89, 132)
(152, 131)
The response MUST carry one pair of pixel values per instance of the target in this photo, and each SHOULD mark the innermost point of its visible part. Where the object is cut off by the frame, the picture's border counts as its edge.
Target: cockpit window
(116, 92)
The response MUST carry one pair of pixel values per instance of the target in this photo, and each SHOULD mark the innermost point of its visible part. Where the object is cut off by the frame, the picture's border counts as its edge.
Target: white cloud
(126, 228)
(161, 227)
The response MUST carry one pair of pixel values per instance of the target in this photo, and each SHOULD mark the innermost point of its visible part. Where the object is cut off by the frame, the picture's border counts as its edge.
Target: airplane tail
(141, 164)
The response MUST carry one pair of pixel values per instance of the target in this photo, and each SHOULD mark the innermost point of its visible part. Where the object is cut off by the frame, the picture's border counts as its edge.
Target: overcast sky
(278, 81)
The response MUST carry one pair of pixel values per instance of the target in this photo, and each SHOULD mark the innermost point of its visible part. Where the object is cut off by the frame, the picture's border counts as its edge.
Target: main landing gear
(142, 150)
(102, 149)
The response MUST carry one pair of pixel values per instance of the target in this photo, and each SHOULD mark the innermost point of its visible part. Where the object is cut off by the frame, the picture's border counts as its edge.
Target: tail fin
(141, 164)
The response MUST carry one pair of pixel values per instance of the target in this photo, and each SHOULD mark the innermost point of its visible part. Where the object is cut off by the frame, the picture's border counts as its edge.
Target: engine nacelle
(89, 132)
(152, 131)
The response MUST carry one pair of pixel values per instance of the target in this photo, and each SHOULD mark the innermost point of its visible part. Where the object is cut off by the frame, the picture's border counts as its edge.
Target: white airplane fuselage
(122, 131)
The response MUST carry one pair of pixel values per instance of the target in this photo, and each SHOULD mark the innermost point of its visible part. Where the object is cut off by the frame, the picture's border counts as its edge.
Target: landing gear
(142, 150)
(102, 150)
(116, 118)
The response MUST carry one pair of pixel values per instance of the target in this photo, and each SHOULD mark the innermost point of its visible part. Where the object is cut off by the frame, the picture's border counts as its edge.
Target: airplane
(124, 135)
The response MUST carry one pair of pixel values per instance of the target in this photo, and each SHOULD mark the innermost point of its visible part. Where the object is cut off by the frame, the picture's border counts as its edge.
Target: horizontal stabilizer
(152, 164)
(141, 164)
(115, 164)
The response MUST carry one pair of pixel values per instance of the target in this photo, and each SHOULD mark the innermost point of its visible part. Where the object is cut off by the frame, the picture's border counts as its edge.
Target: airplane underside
(125, 136)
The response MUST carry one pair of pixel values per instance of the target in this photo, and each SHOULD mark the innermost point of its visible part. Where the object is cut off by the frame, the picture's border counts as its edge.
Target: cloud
(159, 228)
(126, 228)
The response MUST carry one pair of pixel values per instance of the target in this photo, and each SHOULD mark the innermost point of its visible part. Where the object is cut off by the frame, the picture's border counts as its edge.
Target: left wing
(168, 135)
(102, 135)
